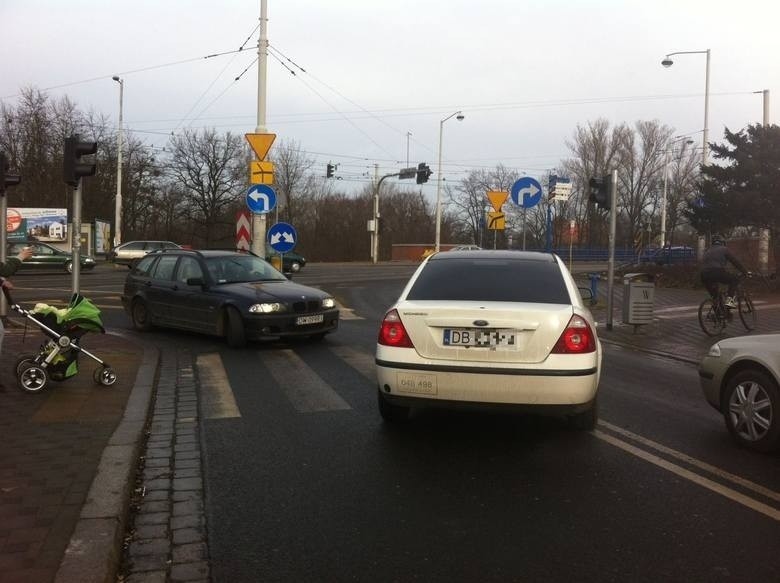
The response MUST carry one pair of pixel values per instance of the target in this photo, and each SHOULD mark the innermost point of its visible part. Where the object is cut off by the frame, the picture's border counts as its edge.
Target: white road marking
(690, 311)
(216, 392)
(738, 497)
(747, 484)
(305, 389)
(348, 313)
(360, 361)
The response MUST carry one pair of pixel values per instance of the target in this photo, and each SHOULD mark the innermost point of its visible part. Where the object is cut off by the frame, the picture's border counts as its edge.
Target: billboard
(41, 224)
(102, 236)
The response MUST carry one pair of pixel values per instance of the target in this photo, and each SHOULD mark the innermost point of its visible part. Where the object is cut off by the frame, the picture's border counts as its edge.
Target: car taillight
(577, 338)
(393, 333)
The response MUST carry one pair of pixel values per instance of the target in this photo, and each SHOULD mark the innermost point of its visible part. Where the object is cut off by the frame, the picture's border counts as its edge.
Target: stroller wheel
(31, 378)
(23, 359)
(104, 376)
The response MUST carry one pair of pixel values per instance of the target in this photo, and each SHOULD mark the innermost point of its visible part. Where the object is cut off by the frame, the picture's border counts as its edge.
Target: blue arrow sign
(260, 198)
(282, 237)
(526, 192)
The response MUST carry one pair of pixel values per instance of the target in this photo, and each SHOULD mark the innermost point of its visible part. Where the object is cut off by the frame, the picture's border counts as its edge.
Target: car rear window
(493, 280)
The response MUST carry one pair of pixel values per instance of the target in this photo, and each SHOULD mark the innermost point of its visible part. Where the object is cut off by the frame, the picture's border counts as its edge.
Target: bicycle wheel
(710, 319)
(747, 312)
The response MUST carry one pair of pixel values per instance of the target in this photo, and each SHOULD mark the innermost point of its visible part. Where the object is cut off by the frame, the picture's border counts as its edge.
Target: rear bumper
(529, 389)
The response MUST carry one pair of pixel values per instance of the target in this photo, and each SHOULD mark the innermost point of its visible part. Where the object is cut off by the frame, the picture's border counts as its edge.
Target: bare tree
(211, 170)
(294, 180)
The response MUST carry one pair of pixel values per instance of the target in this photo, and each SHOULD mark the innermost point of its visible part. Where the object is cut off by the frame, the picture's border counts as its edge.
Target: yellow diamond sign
(260, 143)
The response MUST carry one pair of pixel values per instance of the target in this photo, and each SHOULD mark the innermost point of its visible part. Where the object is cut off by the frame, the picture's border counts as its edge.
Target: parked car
(466, 248)
(292, 262)
(130, 252)
(46, 256)
(490, 328)
(238, 296)
(740, 377)
(666, 255)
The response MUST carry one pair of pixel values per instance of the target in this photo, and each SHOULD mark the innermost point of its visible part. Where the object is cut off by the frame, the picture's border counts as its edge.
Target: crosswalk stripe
(216, 392)
(348, 314)
(360, 361)
(305, 389)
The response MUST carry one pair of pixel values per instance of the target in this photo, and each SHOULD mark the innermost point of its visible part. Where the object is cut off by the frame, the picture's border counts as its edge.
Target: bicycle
(714, 314)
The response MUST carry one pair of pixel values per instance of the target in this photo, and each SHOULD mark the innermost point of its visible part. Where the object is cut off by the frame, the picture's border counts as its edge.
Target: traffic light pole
(259, 219)
(611, 264)
(375, 232)
(76, 240)
(3, 250)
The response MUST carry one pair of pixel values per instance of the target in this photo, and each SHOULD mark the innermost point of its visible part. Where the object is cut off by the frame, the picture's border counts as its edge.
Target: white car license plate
(504, 338)
(316, 319)
(421, 384)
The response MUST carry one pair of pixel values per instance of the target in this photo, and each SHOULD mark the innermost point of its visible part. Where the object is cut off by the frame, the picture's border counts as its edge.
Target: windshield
(241, 268)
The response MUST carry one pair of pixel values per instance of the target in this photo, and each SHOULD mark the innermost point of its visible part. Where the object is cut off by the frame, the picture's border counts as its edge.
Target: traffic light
(329, 170)
(599, 191)
(5, 178)
(73, 167)
(423, 173)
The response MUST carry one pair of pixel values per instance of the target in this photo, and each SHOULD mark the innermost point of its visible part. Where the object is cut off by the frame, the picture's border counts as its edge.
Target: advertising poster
(40, 224)
(102, 236)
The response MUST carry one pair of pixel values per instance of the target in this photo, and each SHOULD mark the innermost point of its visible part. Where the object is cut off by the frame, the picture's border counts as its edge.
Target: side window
(144, 266)
(188, 267)
(169, 245)
(165, 267)
(134, 246)
(41, 250)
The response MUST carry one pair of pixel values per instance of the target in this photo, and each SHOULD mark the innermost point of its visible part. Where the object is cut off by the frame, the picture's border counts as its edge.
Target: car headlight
(328, 303)
(714, 350)
(89, 260)
(267, 308)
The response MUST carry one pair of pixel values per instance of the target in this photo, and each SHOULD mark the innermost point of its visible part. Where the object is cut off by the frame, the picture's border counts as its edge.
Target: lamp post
(118, 209)
(667, 62)
(669, 150)
(460, 117)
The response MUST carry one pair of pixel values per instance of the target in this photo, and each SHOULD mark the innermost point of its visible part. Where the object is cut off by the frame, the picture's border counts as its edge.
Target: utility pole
(611, 264)
(763, 234)
(258, 219)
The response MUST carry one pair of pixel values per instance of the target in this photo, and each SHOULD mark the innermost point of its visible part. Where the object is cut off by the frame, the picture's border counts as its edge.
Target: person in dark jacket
(6, 270)
(713, 270)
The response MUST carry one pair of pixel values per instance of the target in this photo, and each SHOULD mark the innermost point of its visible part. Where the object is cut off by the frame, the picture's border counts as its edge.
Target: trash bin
(638, 298)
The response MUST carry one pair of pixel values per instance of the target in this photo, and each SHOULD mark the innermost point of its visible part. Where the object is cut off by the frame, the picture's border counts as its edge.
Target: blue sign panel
(526, 192)
(260, 199)
(282, 237)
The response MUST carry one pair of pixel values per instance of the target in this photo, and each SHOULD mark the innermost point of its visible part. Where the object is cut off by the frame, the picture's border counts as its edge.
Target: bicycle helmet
(718, 240)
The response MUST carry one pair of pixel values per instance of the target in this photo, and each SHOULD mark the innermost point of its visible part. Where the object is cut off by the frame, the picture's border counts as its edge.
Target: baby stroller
(57, 357)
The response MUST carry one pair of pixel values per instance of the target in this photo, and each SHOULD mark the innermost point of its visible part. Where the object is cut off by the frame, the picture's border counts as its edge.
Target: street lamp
(667, 62)
(669, 150)
(118, 209)
(459, 117)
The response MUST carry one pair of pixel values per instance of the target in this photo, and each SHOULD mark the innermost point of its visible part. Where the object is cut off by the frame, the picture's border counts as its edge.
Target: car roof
(485, 254)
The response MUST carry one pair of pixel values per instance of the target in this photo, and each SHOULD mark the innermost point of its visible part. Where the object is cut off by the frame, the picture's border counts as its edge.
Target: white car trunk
(496, 332)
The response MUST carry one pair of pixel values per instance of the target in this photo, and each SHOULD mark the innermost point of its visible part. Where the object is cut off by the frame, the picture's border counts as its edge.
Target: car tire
(585, 420)
(69, 266)
(295, 267)
(235, 335)
(392, 413)
(751, 426)
(139, 314)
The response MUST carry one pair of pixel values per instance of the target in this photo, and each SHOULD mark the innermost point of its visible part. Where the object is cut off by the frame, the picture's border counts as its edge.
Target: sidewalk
(54, 444)
(675, 331)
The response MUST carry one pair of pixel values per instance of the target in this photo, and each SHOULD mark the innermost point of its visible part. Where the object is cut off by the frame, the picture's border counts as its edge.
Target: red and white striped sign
(243, 230)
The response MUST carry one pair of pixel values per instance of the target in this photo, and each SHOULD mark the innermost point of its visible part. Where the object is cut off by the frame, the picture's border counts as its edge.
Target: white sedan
(505, 329)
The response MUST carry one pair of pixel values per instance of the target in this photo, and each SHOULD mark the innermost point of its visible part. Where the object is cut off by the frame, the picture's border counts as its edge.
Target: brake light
(393, 333)
(577, 338)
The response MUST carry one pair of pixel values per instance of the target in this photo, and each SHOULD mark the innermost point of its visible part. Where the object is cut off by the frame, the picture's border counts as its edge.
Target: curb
(93, 553)
(669, 355)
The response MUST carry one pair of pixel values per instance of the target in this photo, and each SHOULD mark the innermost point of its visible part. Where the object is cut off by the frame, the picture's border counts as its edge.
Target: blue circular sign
(526, 192)
(260, 198)
(282, 237)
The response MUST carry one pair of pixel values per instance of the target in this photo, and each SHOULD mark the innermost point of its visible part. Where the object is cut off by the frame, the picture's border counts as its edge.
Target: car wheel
(585, 420)
(142, 319)
(234, 329)
(392, 413)
(295, 267)
(752, 410)
(69, 266)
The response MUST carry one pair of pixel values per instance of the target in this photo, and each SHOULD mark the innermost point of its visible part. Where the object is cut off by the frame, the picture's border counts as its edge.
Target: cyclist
(713, 270)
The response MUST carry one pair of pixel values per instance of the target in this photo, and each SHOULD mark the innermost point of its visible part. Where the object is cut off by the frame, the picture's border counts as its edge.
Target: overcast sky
(523, 72)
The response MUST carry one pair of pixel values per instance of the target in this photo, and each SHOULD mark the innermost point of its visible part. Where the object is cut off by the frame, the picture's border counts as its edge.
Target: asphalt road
(305, 483)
